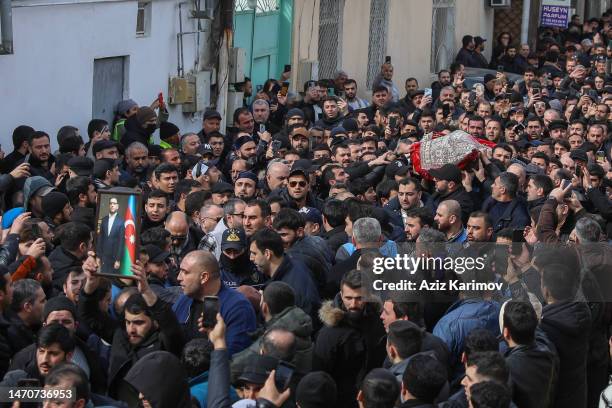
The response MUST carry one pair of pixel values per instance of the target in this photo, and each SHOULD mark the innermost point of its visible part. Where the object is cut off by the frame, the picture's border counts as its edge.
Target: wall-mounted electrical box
(179, 91)
(192, 91)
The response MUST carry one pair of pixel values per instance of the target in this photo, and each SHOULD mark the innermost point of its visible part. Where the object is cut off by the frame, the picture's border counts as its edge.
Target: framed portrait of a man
(117, 231)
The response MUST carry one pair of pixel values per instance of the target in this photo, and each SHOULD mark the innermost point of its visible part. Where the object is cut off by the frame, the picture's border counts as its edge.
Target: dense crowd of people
(259, 243)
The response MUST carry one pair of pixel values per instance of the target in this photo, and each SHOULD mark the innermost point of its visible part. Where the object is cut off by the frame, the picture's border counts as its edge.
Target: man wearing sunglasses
(298, 187)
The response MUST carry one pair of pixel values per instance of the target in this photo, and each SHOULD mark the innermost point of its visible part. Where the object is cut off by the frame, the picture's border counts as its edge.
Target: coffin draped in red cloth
(437, 149)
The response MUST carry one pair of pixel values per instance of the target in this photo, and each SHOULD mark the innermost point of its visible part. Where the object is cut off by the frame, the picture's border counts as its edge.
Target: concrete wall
(48, 81)
(305, 38)
(408, 38)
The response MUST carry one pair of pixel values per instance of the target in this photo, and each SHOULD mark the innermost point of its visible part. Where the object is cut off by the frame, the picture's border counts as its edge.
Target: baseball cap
(299, 131)
(206, 149)
(156, 254)
(301, 166)
(233, 238)
(448, 172)
(312, 214)
(479, 40)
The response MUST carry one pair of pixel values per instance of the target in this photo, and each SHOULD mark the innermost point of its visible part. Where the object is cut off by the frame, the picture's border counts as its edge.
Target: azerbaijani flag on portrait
(129, 254)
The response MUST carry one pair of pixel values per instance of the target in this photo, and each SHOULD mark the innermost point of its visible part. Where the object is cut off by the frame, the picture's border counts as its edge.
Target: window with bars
(330, 37)
(261, 6)
(377, 46)
(442, 35)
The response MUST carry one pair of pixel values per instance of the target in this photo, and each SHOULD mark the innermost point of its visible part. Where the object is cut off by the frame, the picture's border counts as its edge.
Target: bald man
(183, 242)
(199, 277)
(448, 221)
(520, 172)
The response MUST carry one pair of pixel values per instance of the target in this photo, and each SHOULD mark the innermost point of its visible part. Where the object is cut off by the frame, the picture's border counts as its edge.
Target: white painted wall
(408, 40)
(48, 81)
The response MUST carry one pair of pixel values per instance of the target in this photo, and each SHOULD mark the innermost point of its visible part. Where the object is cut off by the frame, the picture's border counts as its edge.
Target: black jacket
(335, 238)
(19, 335)
(347, 349)
(311, 200)
(134, 132)
(533, 369)
(460, 195)
(168, 337)
(295, 274)
(5, 348)
(161, 379)
(314, 253)
(26, 360)
(62, 262)
(567, 325)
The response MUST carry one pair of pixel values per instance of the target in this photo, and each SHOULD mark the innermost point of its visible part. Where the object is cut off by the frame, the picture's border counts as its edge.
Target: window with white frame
(442, 35)
(143, 19)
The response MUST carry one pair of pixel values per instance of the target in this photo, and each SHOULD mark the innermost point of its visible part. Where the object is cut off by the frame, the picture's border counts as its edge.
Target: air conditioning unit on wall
(500, 3)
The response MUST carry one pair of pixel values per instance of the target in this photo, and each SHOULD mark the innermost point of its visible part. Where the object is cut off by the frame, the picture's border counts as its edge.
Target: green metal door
(265, 34)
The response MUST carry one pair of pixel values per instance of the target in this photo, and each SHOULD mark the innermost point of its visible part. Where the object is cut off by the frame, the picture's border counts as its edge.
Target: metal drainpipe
(525, 22)
(6, 20)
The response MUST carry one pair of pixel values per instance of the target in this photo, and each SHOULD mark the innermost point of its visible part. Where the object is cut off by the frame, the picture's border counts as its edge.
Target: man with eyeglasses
(233, 211)
(297, 190)
(210, 215)
(183, 242)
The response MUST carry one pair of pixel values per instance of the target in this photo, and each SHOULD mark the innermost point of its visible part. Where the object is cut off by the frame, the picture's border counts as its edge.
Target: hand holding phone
(283, 375)
(211, 308)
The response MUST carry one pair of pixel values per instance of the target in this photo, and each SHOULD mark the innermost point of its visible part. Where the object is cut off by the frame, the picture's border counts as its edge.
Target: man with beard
(54, 346)
(299, 140)
(417, 219)
(351, 343)
(479, 227)
(135, 166)
(268, 255)
(236, 267)
(449, 187)
(39, 155)
(26, 314)
(140, 127)
(448, 221)
(149, 326)
(245, 186)
(350, 92)
(60, 310)
(311, 250)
